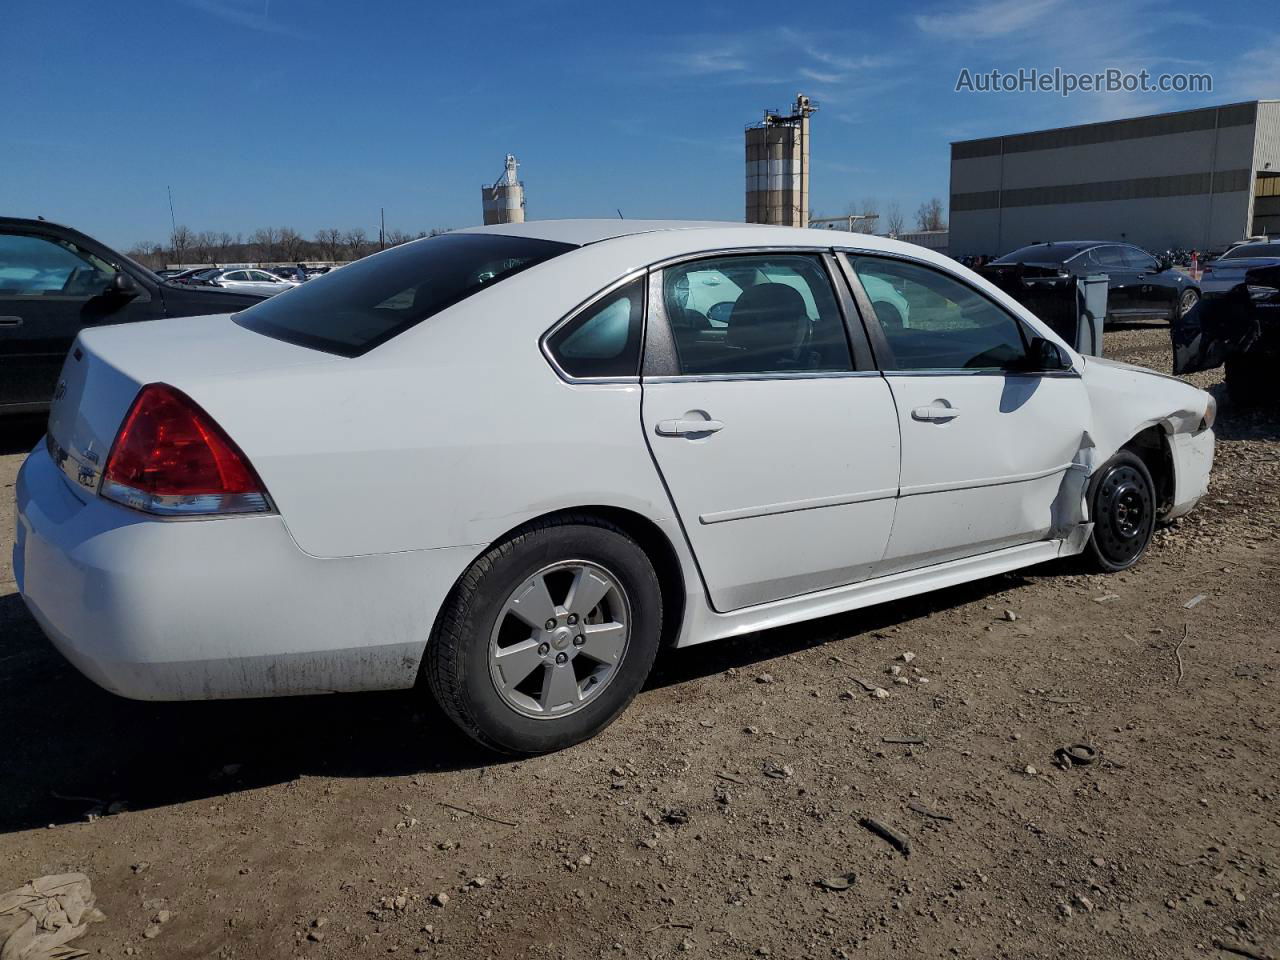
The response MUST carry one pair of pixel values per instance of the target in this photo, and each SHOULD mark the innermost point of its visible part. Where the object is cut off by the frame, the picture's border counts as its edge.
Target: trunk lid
(107, 366)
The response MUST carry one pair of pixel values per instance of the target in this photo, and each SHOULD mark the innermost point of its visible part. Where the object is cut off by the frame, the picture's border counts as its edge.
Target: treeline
(268, 245)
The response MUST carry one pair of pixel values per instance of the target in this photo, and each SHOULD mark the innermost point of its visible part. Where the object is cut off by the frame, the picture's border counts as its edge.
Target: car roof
(583, 232)
(679, 236)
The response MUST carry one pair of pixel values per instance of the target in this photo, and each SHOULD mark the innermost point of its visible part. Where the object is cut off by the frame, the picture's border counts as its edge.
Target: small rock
(142, 866)
(152, 931)
(440, 899)
(777, 772)
(879, 693)
(1084, 903)
(1065, 909)
(479, 881)
(1098, 862)
(316, 936)
(765, 678)
(902, 681)
(1030, 771)
(895, 670)
(319, 922)
(906, 656)
(1010, 616)
(686, 945)
(584, 860)
(751, 731)
(162, 916)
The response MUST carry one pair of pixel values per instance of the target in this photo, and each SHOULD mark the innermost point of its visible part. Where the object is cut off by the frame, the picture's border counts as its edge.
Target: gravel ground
(721, 815)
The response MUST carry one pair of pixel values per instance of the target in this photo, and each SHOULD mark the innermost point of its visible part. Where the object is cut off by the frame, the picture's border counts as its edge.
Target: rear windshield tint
(351, 310)
(1040, 253)
(1251, 250)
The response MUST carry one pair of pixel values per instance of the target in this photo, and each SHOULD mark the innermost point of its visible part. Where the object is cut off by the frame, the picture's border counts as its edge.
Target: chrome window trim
(544, 341)
(779, 375)
(717, 252)
(952, 372)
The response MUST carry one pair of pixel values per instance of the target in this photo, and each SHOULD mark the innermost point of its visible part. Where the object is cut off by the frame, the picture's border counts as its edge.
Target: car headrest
(769, 317)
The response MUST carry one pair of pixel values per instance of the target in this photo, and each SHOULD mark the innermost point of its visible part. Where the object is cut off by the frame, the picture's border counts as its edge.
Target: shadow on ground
(18, 434)
(72, 746)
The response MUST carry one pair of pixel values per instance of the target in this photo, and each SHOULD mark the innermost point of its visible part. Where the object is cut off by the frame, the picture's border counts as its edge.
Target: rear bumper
(209, 609)
(1192, 462)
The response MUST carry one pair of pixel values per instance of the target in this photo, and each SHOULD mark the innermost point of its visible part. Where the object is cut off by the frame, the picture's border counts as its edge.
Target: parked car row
(1141, 286)
(55, 282)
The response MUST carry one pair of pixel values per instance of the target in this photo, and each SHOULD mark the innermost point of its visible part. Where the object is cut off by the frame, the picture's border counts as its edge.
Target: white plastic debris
(38, 920)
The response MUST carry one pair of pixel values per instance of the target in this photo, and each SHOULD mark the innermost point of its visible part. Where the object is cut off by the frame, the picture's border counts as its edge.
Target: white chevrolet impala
(509, 463)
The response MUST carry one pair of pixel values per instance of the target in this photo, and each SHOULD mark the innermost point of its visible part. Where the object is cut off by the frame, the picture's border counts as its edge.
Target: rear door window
(350, 311)
(755, 314)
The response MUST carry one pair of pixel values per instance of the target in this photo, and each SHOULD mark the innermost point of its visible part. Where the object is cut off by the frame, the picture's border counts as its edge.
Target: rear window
(351, 310)
(1040, 253)
(1249, 250)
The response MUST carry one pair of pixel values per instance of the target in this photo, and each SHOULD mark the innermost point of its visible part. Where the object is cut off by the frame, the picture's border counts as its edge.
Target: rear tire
(1187, 302)
(1122, 504)
(519, 664)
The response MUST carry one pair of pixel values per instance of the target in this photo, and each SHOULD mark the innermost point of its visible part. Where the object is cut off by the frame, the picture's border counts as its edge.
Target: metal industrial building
(1195, 179)
(778, 166)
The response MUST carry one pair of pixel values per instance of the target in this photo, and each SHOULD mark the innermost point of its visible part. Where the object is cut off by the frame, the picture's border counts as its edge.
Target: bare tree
(357, 242)
(266, 242)
(893, 221)
(436, 231)
(292, 244)
(203, 246)
(222, 245)
(180, 241)
(329, 240)
(396, 237)
(148, 253)
(929, 216)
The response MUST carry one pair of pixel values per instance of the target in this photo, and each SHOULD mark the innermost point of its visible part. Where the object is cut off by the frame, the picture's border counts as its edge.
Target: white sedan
(509, 463)
(250, 281)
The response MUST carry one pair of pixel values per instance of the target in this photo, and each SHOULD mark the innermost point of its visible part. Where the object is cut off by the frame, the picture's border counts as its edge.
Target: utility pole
(173, 222)
(382, 228)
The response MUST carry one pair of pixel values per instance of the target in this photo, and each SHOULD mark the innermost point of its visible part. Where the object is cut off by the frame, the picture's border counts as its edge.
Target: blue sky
(316, 114)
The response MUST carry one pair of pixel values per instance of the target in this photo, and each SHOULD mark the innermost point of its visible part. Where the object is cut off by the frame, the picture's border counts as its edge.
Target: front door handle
(935, 413)
(10, 321)
(683, 428)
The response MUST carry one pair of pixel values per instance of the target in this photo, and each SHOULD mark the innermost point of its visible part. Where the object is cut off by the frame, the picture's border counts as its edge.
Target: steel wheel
(559, 639)
(1188, 300)
(1124, 512)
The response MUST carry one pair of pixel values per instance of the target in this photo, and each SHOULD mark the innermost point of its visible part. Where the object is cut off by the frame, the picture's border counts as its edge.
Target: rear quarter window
(350, 311)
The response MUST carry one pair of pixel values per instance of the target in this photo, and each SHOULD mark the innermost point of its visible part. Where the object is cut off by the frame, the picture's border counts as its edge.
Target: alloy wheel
(559, 639)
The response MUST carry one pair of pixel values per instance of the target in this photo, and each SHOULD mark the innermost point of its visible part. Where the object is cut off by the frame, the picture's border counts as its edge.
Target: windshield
(352, 310)
(1253, 250)
(1040, 253)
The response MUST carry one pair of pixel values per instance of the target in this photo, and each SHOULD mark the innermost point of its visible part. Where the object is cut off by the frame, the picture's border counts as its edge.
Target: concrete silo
(778, 166)
(504, 199)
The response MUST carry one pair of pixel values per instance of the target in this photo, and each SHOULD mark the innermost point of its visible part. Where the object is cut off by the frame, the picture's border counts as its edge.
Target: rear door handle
(935, 413)
(10, 321)
(683, 428)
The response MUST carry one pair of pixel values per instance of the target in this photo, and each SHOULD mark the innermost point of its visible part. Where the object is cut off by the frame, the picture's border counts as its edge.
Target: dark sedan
(1142, 287)
(54, 281)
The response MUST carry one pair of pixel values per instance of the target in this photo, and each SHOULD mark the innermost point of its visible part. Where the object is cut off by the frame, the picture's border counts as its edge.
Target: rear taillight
(170, 458)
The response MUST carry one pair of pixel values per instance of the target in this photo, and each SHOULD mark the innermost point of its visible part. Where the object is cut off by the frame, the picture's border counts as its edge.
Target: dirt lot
(705, 821)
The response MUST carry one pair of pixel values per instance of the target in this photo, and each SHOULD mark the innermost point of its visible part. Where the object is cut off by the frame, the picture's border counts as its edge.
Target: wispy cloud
(1254, 74)
(987, 19)
(241, 15)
